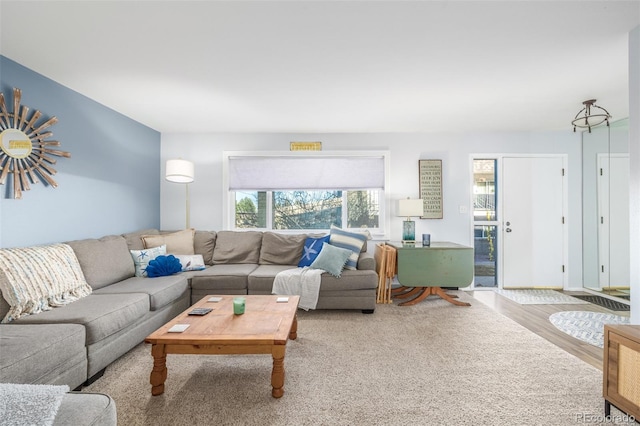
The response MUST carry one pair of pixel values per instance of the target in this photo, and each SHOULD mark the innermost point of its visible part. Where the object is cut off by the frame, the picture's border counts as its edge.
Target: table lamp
(408, 208)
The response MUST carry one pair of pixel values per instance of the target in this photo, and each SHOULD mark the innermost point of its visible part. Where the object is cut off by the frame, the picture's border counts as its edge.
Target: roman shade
(264, 173)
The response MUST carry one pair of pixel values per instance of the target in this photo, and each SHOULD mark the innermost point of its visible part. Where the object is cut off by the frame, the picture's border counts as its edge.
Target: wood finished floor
(536, 319)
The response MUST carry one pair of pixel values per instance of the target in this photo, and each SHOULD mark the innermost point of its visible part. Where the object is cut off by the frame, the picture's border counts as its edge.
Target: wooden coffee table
(264, 328)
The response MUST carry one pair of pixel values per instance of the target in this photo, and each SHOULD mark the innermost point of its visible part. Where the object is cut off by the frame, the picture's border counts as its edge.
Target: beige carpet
(429, 364)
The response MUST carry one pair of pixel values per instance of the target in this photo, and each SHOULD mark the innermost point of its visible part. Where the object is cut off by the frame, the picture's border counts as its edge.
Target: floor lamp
(180, 171)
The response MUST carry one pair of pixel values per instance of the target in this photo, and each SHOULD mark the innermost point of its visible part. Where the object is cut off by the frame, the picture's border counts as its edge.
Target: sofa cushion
(31, 353)
(161, 290)
(203, 244)
(348, 240)
(102, 315)
(311, 249)
(134, 239)
(180, 242)
(141, 258)
(237, 247)
(104, 261)
(331, 259)
(281, 249)
(223, 277)
(35, 279)
(261, 279)
(350, 280)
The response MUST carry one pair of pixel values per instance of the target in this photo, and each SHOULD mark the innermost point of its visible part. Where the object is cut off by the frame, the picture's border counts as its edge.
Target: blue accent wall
(111, 183)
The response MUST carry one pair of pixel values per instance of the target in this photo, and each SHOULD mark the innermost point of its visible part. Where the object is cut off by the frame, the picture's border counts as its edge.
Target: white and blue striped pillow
(348, 240)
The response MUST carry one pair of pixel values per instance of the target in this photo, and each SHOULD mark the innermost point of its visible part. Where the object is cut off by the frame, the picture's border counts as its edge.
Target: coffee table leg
(159, 372)
(293, 334)
(277, 374)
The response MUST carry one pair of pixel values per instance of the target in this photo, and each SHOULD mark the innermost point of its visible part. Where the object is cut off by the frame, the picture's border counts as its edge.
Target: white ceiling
(331, 66)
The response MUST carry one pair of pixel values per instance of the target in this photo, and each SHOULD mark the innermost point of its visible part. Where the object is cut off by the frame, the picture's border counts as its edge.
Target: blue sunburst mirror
(25, 154)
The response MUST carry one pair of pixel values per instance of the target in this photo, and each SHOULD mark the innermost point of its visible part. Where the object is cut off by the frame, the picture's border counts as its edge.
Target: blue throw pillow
(163, 265)
(312, 247)
(331, 259)
(348, 240)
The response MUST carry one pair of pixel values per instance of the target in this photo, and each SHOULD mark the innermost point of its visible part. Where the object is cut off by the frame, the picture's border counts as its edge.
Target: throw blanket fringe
(304, 282)
(35, 279)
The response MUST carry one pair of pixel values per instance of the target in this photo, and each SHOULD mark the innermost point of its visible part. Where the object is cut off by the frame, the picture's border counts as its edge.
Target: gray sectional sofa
(73, 344)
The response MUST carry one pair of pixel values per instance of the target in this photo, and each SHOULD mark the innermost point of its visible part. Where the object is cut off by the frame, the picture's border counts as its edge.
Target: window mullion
(269, 210)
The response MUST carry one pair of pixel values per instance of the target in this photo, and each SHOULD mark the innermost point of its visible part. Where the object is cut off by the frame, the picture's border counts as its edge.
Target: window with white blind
(306, 191)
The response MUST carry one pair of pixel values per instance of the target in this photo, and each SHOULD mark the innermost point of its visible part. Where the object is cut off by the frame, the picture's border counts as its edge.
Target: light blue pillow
(141, 258)
(348, 240)
(312, 247)
(331, 259)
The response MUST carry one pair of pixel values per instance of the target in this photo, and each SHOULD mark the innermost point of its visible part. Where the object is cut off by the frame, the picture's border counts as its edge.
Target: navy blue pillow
(163, 265)
(312, 247)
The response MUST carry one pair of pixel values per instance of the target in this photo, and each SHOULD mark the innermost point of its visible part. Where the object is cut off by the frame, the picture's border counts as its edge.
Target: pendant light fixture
(590, 116)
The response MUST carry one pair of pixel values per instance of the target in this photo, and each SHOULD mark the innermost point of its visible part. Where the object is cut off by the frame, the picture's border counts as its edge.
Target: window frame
(228, 200)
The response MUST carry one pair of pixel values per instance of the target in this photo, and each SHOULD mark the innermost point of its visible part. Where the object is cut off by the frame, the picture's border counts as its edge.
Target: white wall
(634, 154)
(454, 149)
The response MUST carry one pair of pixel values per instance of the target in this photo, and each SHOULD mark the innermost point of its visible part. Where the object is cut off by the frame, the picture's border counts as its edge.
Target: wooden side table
(424, 271)
(621, 369)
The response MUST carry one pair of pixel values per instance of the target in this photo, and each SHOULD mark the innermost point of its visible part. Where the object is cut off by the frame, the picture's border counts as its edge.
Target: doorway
(519, 221)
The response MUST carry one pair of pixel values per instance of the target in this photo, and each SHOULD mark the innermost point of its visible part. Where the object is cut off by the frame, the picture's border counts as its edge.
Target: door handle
(508, 230)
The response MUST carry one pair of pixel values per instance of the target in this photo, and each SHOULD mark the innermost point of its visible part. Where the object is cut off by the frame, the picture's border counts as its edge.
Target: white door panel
(613, 206)
(532, 225)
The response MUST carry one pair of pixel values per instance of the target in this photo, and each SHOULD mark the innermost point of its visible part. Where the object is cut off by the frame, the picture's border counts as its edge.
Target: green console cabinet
(423, 271)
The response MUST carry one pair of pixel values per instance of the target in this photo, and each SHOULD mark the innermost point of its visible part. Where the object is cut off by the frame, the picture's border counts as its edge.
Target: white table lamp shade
(179, 171)
(409, 207)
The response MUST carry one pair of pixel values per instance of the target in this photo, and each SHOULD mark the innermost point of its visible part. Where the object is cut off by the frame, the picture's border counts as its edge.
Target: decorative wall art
(431, 188)
(305, 146)
(24, 152)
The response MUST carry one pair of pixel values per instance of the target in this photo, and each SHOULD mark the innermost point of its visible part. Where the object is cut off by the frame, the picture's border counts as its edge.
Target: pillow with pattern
(194, 262)
(311, 249)
(141, 258)
(348, 240)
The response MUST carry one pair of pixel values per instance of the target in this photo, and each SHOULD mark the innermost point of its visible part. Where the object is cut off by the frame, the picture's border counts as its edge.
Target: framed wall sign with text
(431, 188)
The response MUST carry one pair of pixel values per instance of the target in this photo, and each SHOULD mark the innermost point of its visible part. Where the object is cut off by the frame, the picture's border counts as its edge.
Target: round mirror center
(15, 144)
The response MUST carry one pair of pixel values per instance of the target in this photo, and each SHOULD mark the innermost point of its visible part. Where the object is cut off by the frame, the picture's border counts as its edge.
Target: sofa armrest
(366, 262)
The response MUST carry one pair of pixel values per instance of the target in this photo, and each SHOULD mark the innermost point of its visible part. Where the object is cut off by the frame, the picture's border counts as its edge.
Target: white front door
(533, 222)
(613, 208)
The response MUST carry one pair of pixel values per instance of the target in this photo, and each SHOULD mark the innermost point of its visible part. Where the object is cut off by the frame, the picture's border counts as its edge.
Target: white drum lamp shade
(179, 171)
(408, 208)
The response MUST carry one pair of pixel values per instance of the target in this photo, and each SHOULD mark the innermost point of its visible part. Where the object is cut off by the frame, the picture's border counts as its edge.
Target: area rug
(612, 305)
(586, 326)
(539, 297)
(432, 363)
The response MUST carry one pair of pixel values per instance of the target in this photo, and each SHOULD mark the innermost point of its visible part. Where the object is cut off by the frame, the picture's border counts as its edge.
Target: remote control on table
(200, 311)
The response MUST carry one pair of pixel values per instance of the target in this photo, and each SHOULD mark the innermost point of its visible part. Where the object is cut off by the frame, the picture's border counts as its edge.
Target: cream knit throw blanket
(35, 279)
(304, 282)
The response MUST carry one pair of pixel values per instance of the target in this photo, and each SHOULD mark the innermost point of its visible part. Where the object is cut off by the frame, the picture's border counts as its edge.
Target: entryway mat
(586, 326)
(613, 305)
(539, 297)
